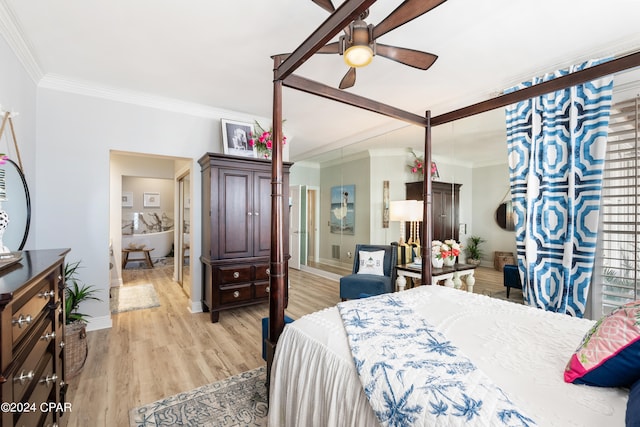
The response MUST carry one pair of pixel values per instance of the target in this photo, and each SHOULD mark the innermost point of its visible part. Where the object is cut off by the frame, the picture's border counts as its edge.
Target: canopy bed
(318, 332)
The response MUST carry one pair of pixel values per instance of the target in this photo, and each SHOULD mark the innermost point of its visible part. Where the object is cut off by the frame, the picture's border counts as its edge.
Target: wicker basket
(76, 349)
(500, 259)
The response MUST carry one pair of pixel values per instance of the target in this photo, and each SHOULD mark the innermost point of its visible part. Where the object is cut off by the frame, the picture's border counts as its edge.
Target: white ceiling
(217, 54)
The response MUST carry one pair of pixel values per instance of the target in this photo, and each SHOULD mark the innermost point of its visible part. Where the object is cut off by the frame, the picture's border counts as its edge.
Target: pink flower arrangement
(262, 140)
(449, 249)
(3, 158)
(417, 166)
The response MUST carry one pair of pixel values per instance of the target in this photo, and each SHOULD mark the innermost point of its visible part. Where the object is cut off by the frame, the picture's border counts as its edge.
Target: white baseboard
(97, 323)
(196, 307)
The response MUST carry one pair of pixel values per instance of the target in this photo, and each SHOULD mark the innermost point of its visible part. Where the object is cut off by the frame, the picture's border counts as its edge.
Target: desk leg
(148, 259)
(457, 283)
(401, 283)
(470, 281)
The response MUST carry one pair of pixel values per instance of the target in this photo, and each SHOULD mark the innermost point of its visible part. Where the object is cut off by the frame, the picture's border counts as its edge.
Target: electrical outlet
(348, 254)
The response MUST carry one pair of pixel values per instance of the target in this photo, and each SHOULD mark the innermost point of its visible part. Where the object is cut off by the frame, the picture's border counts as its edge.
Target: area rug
(128, 298)
(240, 400)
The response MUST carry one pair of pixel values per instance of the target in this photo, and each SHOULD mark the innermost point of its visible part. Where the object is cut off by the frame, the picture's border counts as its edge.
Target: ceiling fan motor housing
(358, 48)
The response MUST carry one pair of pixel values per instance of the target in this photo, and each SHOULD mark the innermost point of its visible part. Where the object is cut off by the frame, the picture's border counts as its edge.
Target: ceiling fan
(358, 45)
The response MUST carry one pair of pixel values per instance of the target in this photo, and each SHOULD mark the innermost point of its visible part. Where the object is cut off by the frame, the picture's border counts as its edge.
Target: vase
(436, 262)
(449, 261)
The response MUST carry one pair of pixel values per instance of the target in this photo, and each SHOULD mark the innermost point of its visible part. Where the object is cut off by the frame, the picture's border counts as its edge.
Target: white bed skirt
(524, 351)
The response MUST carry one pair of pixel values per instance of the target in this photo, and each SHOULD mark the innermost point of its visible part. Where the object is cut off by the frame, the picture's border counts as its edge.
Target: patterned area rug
(128, 298)
(240, 400)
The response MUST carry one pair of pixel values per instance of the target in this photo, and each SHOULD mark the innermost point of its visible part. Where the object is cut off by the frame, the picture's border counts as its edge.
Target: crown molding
(13, 34)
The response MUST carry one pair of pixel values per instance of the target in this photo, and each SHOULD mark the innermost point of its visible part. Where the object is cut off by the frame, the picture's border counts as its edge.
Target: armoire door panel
(262, 214)
(236, 223)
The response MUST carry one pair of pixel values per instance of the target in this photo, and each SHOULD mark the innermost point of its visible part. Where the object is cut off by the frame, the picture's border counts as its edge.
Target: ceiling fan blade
(326, 5)
(410, 57)
(407, 11)
(349, 79)
(330, 48)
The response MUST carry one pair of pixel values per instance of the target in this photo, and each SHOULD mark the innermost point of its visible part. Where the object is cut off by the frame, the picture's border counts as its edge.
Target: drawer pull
(236, 274)
(249, 213)
(61, 344)
(268, 271)
(48, 336)
(24, 377)
(47, 294)
(257, 213)
(49, 379)
(236, 294)
(59, 277)
(266, 289)
(22, 320)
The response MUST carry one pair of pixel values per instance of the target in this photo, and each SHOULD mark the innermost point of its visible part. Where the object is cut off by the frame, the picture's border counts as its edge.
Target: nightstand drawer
(234, 274)
(233, 294)
(25, 374)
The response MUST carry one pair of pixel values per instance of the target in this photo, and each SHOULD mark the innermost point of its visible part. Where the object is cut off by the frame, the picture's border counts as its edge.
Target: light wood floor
(155, 353)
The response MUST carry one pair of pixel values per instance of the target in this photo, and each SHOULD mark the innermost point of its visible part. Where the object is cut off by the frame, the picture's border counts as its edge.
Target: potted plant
(473, 250)
(75, 331)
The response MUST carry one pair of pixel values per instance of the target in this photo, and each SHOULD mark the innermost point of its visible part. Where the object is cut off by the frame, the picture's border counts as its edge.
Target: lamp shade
(405, 210)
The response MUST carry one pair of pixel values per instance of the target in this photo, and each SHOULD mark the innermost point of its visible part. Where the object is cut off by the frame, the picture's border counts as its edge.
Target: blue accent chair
(511, 277)
(354, 285)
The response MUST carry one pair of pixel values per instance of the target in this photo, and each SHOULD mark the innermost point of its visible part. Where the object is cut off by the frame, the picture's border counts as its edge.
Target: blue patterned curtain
(557, 145)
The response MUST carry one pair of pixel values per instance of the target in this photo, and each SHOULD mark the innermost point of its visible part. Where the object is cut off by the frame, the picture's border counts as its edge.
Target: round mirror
(505, 216)
(17, 206)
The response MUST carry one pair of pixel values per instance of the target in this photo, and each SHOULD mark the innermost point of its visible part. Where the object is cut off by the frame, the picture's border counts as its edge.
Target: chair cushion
(371, 263)
(355, 284)
(609, 355)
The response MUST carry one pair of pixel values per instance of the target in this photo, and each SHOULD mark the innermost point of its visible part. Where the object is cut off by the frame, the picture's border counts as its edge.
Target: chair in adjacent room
(373, 273)
(511, 277)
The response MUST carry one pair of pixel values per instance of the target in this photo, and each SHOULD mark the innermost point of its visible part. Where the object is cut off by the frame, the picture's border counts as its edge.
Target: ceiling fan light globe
(358, 56)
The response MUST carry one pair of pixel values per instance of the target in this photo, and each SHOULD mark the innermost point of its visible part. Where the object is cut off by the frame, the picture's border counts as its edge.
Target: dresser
(236, 230)
(32, 340)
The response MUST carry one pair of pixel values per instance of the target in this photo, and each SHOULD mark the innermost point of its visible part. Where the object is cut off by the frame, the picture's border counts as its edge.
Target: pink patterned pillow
(609, 355)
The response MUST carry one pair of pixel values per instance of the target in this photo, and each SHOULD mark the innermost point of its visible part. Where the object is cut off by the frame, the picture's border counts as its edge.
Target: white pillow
(371, 263)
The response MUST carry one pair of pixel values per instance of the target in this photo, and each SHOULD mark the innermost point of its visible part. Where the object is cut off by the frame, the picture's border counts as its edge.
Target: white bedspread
(523, 350)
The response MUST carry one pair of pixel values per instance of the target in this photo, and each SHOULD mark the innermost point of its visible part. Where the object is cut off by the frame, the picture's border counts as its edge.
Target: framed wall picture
(343, 203)
(127, 199)
(151, 200)
(235, 138)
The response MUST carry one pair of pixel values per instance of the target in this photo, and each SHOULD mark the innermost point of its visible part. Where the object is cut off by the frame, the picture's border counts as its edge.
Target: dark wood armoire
(236, 230)
(446, 207)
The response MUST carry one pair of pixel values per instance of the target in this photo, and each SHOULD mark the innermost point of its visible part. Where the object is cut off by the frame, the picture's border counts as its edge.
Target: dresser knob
(24, 377)
(49, 379)
(249, 213)
(267, 289)
(257, 213)
(268, 271)
(236, 274)
(48, 336)
(61, 344)
(22, 320)
(47, 294)
(236, 294)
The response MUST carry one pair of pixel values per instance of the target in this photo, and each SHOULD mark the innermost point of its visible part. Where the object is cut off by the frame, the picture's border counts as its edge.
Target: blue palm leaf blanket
(413, 376)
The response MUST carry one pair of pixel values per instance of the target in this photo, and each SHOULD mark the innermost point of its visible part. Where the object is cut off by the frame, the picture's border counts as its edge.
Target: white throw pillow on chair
(371, 263)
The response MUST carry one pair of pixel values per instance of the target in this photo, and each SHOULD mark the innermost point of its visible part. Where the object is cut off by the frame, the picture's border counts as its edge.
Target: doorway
(183, 229)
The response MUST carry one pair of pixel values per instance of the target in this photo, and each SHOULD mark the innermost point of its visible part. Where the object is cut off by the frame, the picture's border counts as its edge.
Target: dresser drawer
(24, 316)
(234, 274)
(38, 343)
(262, 289)
(262, 272)
(41, 394)
(233, 294)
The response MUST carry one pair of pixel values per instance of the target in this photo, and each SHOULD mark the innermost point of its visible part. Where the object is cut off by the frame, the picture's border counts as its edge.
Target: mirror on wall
(505, 216)
(17, 206)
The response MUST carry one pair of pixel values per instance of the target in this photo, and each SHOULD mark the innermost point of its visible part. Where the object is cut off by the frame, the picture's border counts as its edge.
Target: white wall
(18, 93)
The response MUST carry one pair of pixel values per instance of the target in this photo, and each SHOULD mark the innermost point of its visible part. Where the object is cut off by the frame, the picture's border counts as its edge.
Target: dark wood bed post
(427, 212)
(276, 268)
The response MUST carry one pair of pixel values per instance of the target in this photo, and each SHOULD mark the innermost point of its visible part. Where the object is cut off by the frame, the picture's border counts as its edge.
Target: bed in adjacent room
(522, 351)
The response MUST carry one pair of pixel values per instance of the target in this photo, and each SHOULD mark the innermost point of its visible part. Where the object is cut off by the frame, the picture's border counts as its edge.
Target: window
(619, 280)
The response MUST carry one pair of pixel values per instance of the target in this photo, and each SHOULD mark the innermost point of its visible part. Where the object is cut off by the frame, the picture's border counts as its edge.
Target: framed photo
(127, 199)
(151, 200)
(235, 138)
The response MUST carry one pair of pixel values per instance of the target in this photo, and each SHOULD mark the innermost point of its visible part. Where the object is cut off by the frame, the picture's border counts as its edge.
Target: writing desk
(451, 275)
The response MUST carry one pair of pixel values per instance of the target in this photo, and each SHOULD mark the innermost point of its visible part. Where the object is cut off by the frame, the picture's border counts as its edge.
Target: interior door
(294, 227)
